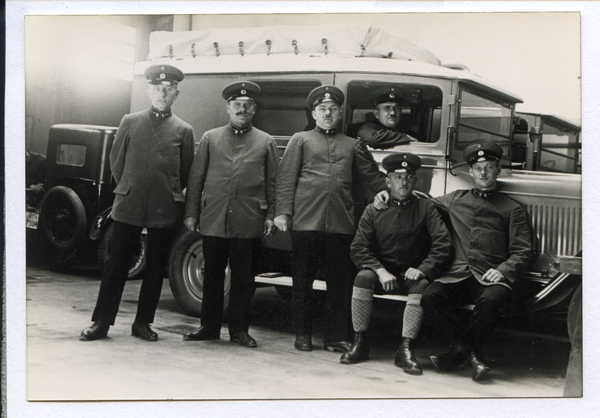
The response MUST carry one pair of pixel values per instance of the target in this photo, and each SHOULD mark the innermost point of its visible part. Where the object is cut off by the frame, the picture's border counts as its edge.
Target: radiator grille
(557, 229)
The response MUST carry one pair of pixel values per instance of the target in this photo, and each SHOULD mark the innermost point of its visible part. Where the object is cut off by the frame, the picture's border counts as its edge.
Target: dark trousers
(441, 301)
(123, 243)
(239, 252)
(311, 249)
(368, 279)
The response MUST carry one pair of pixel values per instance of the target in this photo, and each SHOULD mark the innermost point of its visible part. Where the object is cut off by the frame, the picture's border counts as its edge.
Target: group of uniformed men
(238, 190)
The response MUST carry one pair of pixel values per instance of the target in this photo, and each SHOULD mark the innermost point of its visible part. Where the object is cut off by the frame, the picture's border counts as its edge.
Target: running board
(279, 280)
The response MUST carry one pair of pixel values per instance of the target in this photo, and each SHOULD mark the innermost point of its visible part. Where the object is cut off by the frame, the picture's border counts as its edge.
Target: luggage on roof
(305, 40)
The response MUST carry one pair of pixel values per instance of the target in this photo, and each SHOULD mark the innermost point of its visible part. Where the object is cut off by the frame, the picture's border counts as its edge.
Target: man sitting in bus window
(398, 250)
(492, 247)
(385, 132)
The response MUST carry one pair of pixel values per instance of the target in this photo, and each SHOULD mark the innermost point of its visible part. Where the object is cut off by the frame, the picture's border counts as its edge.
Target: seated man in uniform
(492, 245)
(385, 132)
(393, 252)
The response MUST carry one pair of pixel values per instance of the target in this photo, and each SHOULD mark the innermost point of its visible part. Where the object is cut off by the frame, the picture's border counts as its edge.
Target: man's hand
(37, 187)
(191, 223)
(388, 281)
(269, 228)
(381, 200)
(493, 276)
(282, 222)
(414, 274)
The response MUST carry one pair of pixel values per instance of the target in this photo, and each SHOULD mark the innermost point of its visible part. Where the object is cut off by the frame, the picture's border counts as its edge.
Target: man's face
(162, 96)
(388, 114)
(401, 184)
(241, 112)
(327, 115)
(485, 174)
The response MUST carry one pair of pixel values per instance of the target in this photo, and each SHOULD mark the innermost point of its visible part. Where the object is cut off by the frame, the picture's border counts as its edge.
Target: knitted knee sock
(362, 306)
(413, 317)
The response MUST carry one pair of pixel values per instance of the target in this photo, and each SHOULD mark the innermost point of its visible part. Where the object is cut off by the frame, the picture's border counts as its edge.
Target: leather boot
(405, 357)
(478, 365)
(359, 351)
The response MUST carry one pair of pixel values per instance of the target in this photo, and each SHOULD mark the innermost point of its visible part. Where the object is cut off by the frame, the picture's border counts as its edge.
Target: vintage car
(445, 108)
(79, 188)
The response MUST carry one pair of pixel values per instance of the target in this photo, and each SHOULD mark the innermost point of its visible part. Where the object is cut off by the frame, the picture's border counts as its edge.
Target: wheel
(186, 273)
(138, 262)
(62, 227)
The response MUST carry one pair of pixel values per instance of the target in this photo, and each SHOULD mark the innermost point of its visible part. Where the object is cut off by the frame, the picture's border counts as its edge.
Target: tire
(138, 262)
(62, 227)
(186, 273)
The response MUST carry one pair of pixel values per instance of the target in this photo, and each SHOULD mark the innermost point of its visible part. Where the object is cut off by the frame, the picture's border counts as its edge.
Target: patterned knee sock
(362, 306)
(413, 316)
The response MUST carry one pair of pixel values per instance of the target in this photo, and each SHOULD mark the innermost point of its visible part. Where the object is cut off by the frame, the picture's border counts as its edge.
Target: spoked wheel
(138, 262)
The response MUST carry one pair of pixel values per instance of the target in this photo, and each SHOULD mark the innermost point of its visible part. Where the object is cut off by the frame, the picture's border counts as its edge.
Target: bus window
(421, 108)
(281, 106)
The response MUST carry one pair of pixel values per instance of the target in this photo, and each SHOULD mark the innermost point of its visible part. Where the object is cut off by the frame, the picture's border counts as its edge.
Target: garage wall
(79, 69)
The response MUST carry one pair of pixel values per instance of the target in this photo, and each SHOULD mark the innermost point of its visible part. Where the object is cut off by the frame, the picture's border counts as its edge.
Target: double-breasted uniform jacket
(150, 160)
(314, 181)
(377, 135)
(408, 233)
(232, 182)
(489, 230)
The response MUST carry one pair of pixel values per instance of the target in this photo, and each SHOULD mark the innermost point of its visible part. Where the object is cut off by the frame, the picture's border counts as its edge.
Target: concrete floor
(61, 367)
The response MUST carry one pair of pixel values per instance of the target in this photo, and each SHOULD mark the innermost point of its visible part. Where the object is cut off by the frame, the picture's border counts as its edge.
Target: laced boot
(405, 357)
(359, 350)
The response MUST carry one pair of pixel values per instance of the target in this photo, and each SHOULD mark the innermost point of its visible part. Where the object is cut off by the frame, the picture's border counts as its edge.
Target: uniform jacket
(150, 160)
(377, 135)
(315, 180)
(487, 232)
(232, 183)
(407, 234)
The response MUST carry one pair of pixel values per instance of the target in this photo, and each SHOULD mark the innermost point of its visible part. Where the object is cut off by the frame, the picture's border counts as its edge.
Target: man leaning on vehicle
(232, 192)
(492, 246)
(385, 132)
(150, 161)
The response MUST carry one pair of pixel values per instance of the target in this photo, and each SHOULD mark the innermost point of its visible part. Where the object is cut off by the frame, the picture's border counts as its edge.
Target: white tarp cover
(340, 40)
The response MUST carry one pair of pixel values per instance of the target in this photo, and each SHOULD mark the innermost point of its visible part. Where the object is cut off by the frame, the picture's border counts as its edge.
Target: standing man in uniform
(314, 201)
(232, 192)
(150, 161)
(492, 246)
(385, 132)
(400, 250)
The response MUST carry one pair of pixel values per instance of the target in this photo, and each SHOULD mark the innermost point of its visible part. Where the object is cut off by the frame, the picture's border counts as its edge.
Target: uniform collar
(382, 126)
(485, 194)
(237, 130)
(332, 131)
(159, 114)
(404, 202)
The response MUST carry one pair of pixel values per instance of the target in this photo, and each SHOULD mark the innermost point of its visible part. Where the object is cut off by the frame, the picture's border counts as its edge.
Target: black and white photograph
(249, 207)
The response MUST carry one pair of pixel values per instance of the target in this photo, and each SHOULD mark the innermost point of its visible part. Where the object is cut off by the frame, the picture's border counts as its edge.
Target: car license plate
(31, 219)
